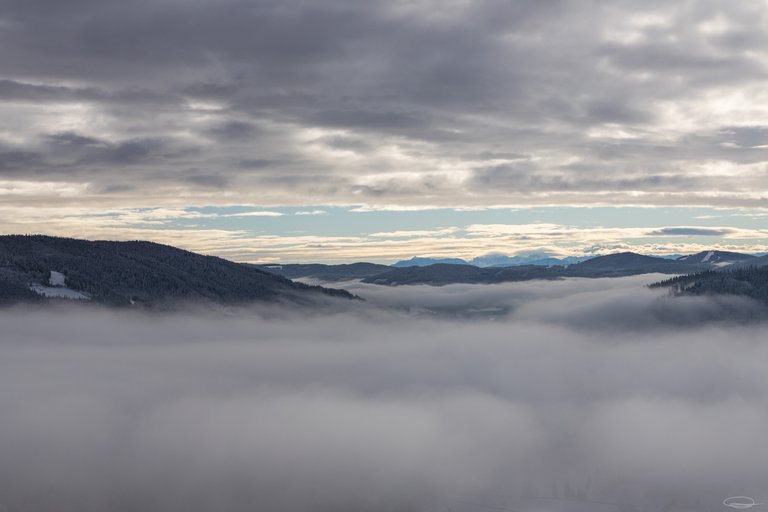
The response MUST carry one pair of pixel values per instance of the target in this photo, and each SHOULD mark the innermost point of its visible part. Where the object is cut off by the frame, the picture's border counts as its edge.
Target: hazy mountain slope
(325, 272)
(628, 261)
(716, 257)
(758, 261)
(500, 260)
(441, 274)
(145, 273)
(493, 260)
(417, 261)
(612, 265)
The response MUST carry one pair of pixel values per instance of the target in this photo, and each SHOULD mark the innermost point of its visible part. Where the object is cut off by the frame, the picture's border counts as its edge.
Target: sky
(344, 130)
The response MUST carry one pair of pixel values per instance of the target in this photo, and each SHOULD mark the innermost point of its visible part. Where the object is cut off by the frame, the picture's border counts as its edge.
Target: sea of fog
(575, 395)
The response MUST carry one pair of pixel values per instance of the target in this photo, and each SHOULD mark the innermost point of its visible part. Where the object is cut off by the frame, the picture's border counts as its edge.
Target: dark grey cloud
(11, 90)
(14, 160)
(208, 180)
(492, 155)
(234, 130)
(25, 92)
(379, 410)
(116, 188)
(129, 152)
(746, 136)
(73, 139)
(255, 163)
(608, 97)
(368, 119)
(692, 231)
(345, 143)
(525, 176)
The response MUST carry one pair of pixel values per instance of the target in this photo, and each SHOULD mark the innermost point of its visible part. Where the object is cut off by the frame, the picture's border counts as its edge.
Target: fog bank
(617, 304)
(383, 411)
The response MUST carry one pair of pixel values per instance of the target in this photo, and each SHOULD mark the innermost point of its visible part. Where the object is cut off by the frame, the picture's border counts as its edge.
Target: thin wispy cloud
(311, 212)
(256, 214)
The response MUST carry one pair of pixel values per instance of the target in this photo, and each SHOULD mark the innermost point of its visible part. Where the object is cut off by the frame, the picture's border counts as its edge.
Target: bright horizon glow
(332, 234)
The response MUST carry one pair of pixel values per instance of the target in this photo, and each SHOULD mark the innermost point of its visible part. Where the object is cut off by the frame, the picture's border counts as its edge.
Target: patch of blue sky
(349, 221)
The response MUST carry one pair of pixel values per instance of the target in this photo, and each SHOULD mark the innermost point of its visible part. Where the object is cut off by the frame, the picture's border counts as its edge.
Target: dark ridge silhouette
(141, 273)
(325, 272)
(441, 272)
(612, 265)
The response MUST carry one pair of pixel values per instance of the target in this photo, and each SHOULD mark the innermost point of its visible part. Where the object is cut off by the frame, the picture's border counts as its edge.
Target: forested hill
(745, 281)
(136, 273)
(611, 265)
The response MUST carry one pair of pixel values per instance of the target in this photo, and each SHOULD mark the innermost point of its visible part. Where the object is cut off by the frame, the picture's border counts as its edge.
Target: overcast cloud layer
(388, 102)
(396, 104)
(377, 410)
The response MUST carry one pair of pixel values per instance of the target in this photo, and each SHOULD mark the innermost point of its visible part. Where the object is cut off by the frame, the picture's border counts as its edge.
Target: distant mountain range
(494, 260)
(145, 274)
(441, 273)
(417, 261)
(42, 268)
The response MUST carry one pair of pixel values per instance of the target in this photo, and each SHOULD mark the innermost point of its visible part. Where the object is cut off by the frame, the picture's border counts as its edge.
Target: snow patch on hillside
(59, 292)
(57, 279)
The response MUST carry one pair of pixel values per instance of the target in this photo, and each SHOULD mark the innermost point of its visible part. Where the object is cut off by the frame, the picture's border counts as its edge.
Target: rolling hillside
(138, 273)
